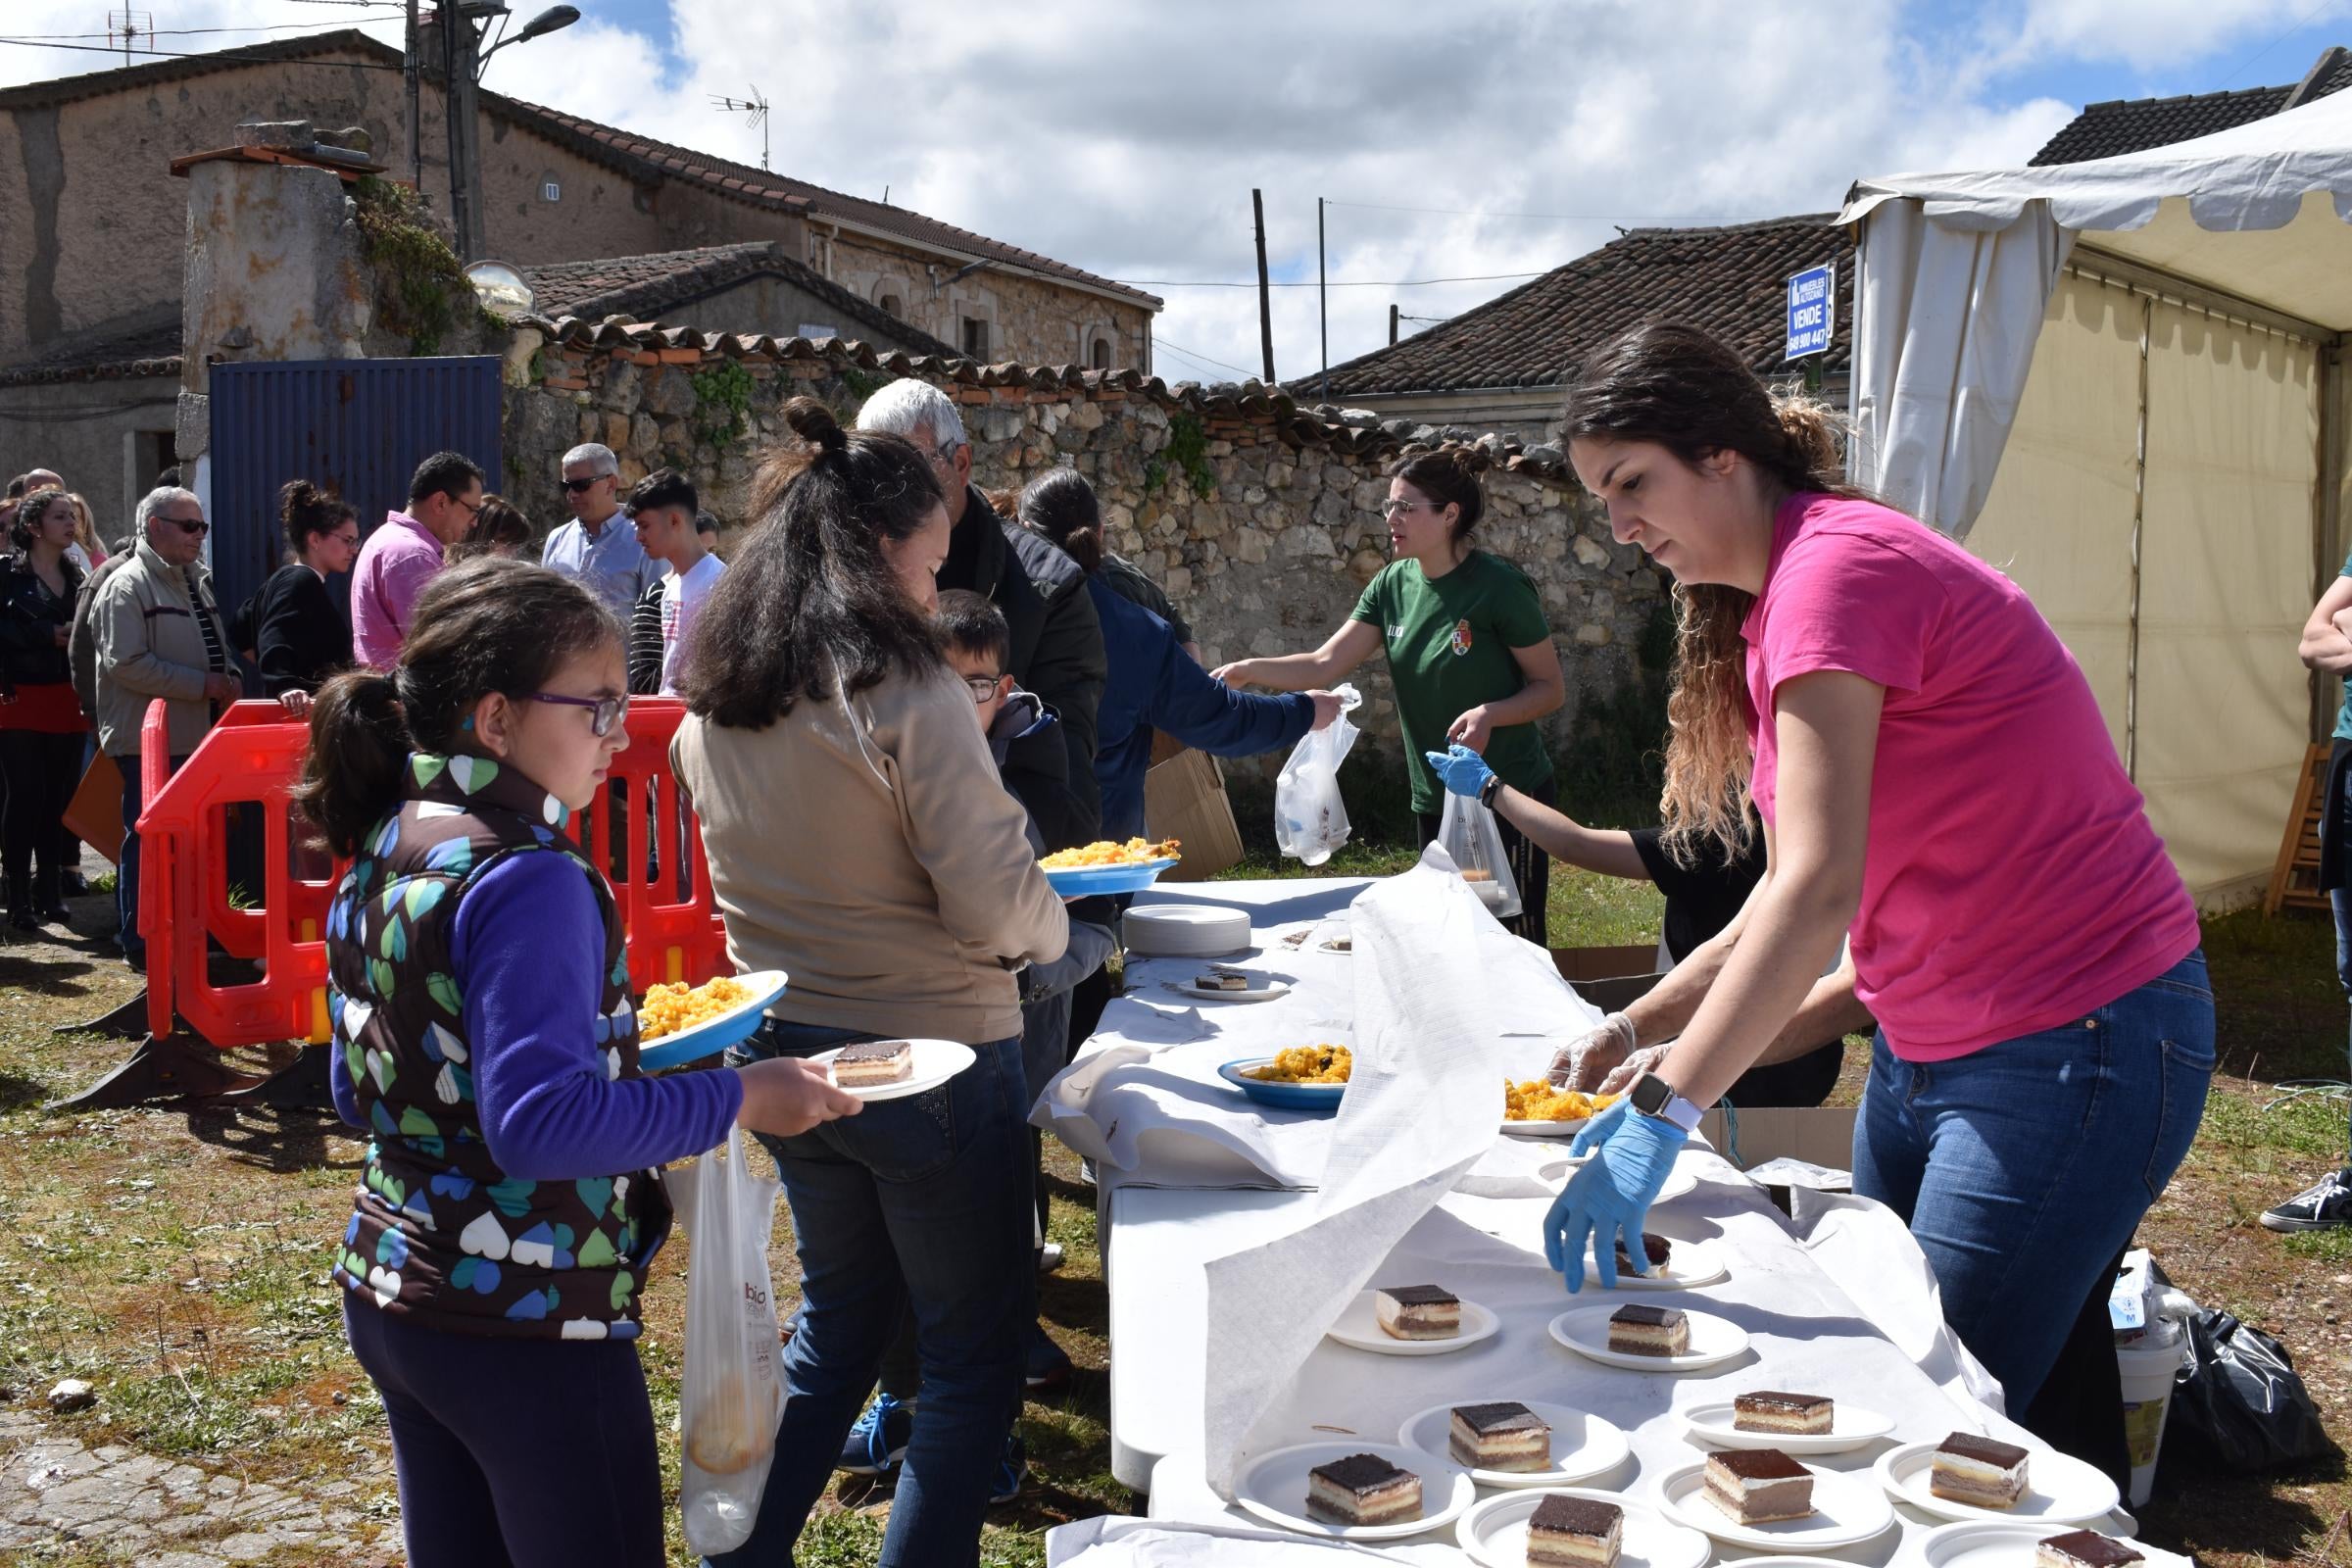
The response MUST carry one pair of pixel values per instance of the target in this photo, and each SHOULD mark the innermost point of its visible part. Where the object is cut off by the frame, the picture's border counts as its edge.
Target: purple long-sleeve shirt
(529, 956)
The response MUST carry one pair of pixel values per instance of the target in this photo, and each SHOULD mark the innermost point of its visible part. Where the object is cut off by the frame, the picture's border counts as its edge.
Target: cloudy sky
(1469, 140)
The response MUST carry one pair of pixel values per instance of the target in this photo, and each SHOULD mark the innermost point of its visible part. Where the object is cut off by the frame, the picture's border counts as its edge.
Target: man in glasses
(400, 557)
(157, 633)
(598, 548)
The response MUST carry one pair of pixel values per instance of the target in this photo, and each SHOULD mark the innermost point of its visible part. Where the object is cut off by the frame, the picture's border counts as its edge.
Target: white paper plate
(1555, 1173)
(934, 1062)
(1689, 1266)
(1495, 1533)
(1262, 991)
(2060, 1488)
(1185, 930)
(1543, 1129)
(1850, 1427)
(1848, 1510)
(2006, 1543)
(1274, 1488)
(1359, 1326)
(1583, 1446)
(1713, 1341)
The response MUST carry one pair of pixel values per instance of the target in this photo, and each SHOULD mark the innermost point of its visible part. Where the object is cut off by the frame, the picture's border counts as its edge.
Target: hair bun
(1471, 461)
(816, 424)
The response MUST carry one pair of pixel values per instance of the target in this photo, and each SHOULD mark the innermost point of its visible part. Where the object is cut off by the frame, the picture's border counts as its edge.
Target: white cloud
(1125, 138)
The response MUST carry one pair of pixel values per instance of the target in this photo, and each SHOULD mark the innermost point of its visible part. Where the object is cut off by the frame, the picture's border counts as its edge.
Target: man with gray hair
(157, 633)
(1056, 642)
(598, 548)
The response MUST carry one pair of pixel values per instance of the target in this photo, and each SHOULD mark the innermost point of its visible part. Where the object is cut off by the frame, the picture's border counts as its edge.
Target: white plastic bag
(732, 1396)
(1310, 820)
(1470, 836)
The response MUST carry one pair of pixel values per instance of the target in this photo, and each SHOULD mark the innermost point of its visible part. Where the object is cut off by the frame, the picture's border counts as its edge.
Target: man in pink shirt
(401, 557)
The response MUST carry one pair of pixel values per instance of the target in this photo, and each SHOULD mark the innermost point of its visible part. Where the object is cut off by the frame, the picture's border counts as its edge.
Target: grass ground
(176, 1257)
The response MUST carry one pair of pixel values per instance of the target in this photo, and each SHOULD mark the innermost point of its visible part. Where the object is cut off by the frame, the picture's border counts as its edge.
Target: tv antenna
(129, 27)
(755, 105)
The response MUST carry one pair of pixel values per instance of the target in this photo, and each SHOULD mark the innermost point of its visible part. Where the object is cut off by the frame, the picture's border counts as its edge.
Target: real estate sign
(1812, 310)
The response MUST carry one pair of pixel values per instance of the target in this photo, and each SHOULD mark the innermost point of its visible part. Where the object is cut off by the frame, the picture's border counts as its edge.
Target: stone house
(90, 262)
(1499, 366)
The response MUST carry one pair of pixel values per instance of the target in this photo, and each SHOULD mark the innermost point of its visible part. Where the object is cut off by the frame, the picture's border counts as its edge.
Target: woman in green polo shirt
(1469, 653)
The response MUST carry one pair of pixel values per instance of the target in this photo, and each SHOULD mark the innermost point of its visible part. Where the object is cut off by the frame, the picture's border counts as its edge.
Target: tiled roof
(169, 68)
(642, 154)
(115, 351)
(2134, 124)
(1732, 281)
(666, 286)
(1248, 403)
(626, 151)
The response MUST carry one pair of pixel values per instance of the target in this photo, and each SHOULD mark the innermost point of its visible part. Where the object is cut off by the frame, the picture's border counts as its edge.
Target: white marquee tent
(2119, 382)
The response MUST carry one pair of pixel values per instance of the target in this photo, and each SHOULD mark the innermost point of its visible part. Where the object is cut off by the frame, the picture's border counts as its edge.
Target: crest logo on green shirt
(1461, 637)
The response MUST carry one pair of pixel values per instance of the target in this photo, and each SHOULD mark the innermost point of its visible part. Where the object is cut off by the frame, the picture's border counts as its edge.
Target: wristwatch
(1488, 790)
(1654, 1095)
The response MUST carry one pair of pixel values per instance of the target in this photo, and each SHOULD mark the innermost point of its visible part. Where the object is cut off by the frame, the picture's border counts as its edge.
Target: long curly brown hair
(1682, 389)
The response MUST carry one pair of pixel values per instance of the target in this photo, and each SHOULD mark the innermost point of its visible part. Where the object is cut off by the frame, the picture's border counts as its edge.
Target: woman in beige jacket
(859, 839)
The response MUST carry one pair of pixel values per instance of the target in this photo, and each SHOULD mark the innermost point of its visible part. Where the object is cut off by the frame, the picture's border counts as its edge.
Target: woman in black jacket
(300, 637)
(41, 723)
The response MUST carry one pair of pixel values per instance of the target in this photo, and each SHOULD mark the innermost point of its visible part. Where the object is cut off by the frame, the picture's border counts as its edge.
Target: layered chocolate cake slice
(1979, 1471)
(1577, 1531)
(2083, 1548)
(1759, 1485)
(1214, 981)
(1656, 1247)
(1796, 1415)
(1362, 1489)
(1417, 1311)
(1506, 1435)
(1650, 1331)
(870, 1064)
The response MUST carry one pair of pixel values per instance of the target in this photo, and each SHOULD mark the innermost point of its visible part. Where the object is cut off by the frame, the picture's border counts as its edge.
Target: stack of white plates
(1186, 931)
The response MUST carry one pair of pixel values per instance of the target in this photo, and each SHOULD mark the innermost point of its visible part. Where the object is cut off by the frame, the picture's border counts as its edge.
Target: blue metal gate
(356, 426)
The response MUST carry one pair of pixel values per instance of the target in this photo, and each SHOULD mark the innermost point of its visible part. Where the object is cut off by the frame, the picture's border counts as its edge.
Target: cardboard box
(1604, 963)
(1184, 799)
(1817, 1135)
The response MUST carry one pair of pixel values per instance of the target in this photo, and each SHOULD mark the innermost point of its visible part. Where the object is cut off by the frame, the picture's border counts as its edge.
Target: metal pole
(1322, 299)
(1266, 292)
(408, 68)
(466, 66)
(1391, 327)
(446, 17)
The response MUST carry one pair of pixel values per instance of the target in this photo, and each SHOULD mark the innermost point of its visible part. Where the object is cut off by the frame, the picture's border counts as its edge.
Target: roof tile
(2135, 124)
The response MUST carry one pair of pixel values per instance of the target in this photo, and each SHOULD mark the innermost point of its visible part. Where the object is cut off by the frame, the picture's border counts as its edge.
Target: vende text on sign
(1812, 310)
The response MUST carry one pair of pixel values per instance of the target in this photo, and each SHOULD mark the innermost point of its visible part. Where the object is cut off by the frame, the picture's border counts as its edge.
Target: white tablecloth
(1144, 1102)
(1175, 1147)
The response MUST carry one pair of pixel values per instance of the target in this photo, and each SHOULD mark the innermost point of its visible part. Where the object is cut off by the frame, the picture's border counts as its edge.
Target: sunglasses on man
(197, 529)
(583, 486)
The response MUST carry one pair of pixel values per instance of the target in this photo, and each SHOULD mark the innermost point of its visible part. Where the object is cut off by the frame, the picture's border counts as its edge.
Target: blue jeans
(920, 1203)
(2023, 1168)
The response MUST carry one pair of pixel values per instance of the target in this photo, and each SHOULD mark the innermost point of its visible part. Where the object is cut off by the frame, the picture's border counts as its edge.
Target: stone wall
(1260, 519)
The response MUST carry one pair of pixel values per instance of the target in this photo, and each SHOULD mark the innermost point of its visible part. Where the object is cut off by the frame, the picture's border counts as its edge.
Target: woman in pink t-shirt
(1936, 784)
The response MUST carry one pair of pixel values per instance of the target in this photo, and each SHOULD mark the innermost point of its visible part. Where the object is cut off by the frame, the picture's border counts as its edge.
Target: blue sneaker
(877, 1444)
(1011, 1472)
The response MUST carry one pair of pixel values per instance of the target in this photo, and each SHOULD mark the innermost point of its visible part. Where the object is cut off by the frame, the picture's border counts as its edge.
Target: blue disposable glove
(1460, 769)
(1610, 1196)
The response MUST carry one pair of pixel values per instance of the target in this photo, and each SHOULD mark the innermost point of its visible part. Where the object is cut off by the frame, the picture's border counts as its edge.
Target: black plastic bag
(2237, 1402)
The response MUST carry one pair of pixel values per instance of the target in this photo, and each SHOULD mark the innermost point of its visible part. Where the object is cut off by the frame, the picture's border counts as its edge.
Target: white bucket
(2148, 1365)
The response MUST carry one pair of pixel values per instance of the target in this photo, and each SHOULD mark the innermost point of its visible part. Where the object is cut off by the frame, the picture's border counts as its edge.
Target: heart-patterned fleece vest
(438, 1233)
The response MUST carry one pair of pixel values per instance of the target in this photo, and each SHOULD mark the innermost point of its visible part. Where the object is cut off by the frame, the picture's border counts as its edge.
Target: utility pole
(410, 78)
(1322, 299)
(1391, 327)
(459, 42)
(1265, 291)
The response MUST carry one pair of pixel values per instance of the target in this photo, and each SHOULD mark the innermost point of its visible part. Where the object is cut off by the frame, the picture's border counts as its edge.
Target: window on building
(551, 190)
(975, 338)
(893, 306)
(1099, 358)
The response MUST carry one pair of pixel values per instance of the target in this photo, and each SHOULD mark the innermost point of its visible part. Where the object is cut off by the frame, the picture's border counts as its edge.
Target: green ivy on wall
(421, 286)
(1186, 452)
(722, 402)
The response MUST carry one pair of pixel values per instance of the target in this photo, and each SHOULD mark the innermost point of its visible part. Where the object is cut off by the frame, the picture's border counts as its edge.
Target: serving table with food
(1333, 1330)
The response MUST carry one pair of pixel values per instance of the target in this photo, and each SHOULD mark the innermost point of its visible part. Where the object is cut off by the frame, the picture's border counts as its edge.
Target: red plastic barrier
(252, 759)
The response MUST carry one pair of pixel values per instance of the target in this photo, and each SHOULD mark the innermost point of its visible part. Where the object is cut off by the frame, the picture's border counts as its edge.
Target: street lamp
(555, 19)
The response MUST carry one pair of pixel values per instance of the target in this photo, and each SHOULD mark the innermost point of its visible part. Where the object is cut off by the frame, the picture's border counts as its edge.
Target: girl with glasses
(484, 1033)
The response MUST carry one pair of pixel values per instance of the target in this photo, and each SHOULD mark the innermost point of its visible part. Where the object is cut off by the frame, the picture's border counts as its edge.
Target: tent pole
(2139, 506)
